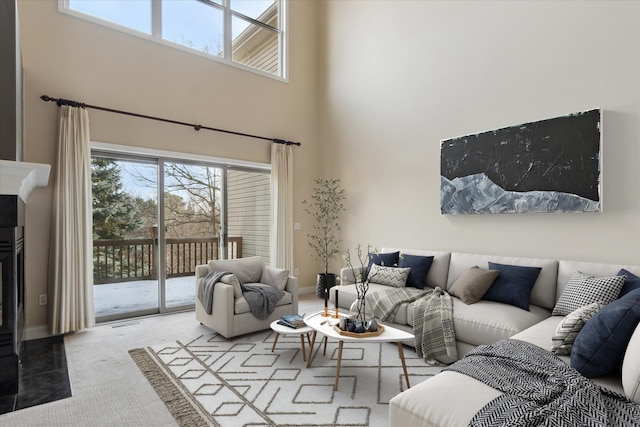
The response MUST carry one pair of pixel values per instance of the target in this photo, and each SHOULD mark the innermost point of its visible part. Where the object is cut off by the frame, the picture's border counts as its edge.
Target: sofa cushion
(472, 285)
(567, 331)
(513, 285)
(248, 270)
(389, 276)
(419, 265)
(242, 306)
(276, 277)
(486, 322)
(631, 368)
(439, 270)
(630, 284)
(583, 289)
(600, 346)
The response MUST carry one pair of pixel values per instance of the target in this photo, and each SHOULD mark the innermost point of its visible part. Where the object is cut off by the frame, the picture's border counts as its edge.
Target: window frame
(227, 57)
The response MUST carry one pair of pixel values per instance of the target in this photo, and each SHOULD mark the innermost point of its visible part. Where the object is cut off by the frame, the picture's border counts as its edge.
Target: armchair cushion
(248, 270)
(276, 277)
(242, 306)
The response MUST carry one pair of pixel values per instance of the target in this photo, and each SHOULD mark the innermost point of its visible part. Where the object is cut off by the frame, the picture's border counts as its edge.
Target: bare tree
(191, 199)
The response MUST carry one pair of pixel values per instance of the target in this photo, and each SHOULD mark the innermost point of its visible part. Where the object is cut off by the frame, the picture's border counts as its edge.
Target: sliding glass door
(208, 211)
(126, 268)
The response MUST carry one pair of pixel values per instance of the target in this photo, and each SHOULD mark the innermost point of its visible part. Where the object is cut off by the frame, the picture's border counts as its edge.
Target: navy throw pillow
(632, 283)
(388, 260)
(513, 285)
(600, 346)
(419, 265)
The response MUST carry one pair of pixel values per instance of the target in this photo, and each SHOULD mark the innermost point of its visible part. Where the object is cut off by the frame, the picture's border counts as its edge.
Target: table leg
(304, 356)
(335, 387)
(324, 352)
(404, 365)
(275, 341)
(313, 341)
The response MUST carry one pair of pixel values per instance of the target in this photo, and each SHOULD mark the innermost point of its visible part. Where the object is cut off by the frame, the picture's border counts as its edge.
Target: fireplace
(12, 283)
(17, 179)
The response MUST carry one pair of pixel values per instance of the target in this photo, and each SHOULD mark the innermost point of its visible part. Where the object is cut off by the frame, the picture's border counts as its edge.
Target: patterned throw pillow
(582, 290)
(390, 276)
(568, 329)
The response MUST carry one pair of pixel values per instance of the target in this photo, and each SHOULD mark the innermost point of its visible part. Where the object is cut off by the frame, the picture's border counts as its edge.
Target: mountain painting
(552, 165)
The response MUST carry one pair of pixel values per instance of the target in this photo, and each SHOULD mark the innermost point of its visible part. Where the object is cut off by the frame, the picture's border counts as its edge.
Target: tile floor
(43, 375)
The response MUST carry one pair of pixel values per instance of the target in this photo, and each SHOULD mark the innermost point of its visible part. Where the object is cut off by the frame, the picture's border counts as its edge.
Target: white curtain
(282, 211)
(70, 257)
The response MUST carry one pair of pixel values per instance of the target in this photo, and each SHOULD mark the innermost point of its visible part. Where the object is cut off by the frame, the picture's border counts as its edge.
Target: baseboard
(36, 332)
(307, 290)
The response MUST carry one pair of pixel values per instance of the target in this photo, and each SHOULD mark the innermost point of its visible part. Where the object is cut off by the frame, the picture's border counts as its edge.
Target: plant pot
(324, 282)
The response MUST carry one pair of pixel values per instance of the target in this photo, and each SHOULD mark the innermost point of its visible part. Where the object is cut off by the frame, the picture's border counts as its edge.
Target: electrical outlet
(43, 299)
(296, 271)
(296, 226)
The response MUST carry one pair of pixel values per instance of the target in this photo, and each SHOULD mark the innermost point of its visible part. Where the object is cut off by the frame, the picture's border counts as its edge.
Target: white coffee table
(285, 330)
(324, 325)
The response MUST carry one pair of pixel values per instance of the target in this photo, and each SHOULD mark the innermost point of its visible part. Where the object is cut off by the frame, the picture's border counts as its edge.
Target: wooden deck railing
(135, 259)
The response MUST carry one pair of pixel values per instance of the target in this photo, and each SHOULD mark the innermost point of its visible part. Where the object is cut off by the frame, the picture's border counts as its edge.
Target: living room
(450, 69)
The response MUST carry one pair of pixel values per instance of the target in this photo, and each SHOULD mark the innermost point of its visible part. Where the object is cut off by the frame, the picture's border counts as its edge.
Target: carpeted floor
(108, 389)
(210, 380)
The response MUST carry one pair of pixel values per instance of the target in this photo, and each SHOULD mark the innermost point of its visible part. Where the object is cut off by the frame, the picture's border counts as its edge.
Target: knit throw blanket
(262, 300)
(435, 337)
(541, 390)
(205, 289)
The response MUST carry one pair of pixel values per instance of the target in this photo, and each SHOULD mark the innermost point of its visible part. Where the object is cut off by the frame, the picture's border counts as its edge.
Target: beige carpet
(210, 380)
(108, 388)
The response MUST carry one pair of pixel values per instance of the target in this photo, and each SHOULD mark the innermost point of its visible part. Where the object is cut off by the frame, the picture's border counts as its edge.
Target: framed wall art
(552, 165)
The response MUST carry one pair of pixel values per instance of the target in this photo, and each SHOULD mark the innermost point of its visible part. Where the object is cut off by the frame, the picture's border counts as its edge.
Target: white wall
(399, 76)
(65, 57)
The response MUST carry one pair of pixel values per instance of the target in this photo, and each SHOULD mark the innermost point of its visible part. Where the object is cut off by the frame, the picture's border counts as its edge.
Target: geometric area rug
(214, 381)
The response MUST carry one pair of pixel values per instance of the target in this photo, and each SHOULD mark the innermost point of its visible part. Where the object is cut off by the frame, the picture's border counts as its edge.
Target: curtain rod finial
(46, 98)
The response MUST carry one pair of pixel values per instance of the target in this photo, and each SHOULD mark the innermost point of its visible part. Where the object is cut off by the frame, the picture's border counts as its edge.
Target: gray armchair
(230, 314)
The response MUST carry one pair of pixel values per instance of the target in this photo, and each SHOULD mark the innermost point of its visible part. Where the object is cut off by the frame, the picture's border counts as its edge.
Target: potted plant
(325, 207)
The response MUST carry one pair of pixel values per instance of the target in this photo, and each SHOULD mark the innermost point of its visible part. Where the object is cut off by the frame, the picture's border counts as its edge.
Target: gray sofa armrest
(292, 288)
(201, 271)
(347, 276)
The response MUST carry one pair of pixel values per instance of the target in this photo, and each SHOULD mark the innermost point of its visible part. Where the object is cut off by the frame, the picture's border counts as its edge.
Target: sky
(188, 22)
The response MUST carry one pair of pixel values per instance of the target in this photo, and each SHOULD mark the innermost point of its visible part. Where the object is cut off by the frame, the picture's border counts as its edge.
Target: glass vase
(358, 316)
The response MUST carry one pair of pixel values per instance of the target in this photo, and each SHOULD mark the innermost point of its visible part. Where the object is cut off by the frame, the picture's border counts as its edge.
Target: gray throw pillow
(571, 325)
(231, 279)
(389, 276)
(275, 277)
(473, 284)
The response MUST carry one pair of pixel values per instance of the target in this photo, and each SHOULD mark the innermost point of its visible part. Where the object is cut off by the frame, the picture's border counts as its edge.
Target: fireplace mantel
(20, 178)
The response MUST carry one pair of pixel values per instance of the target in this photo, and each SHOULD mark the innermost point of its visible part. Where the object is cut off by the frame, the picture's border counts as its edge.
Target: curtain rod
(60, 102)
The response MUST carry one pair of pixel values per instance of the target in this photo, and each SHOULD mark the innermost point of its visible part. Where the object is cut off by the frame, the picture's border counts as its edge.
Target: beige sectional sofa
(452, 399)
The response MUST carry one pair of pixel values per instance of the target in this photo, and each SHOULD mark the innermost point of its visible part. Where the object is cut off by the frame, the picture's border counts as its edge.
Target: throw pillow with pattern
(583, 289)
(390, 276)
(571, 325)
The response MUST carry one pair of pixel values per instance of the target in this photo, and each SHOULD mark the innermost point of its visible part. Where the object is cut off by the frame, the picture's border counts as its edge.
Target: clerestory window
(245, 33)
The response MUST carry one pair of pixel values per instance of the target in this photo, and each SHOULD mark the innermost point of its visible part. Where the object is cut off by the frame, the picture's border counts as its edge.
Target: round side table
(285, 330)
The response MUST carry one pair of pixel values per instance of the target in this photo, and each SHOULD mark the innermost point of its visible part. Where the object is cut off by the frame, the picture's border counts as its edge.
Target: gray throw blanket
(435, 337)
(205, 290)
(541, 390)
(262, 300)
